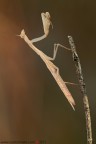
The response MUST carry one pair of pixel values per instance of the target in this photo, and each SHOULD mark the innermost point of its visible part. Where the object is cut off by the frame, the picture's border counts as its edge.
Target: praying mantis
(48, 60)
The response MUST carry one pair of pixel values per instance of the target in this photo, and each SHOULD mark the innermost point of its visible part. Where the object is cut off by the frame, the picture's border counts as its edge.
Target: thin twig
(83, 89)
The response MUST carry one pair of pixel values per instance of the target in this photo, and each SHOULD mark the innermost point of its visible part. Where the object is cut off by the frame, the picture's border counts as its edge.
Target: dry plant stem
(83, 90)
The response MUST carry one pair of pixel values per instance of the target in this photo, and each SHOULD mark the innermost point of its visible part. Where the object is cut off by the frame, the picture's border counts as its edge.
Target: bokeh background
(32, 107)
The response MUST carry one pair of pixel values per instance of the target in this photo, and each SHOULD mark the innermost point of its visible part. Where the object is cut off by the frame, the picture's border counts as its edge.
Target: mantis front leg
(46, 22)
(46, 25)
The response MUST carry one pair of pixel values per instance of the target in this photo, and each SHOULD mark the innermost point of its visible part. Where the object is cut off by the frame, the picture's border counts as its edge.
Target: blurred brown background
(31, 104)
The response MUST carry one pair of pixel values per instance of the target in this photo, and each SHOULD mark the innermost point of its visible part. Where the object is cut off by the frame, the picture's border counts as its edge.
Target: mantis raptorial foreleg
(46, 25)
(46, 22)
